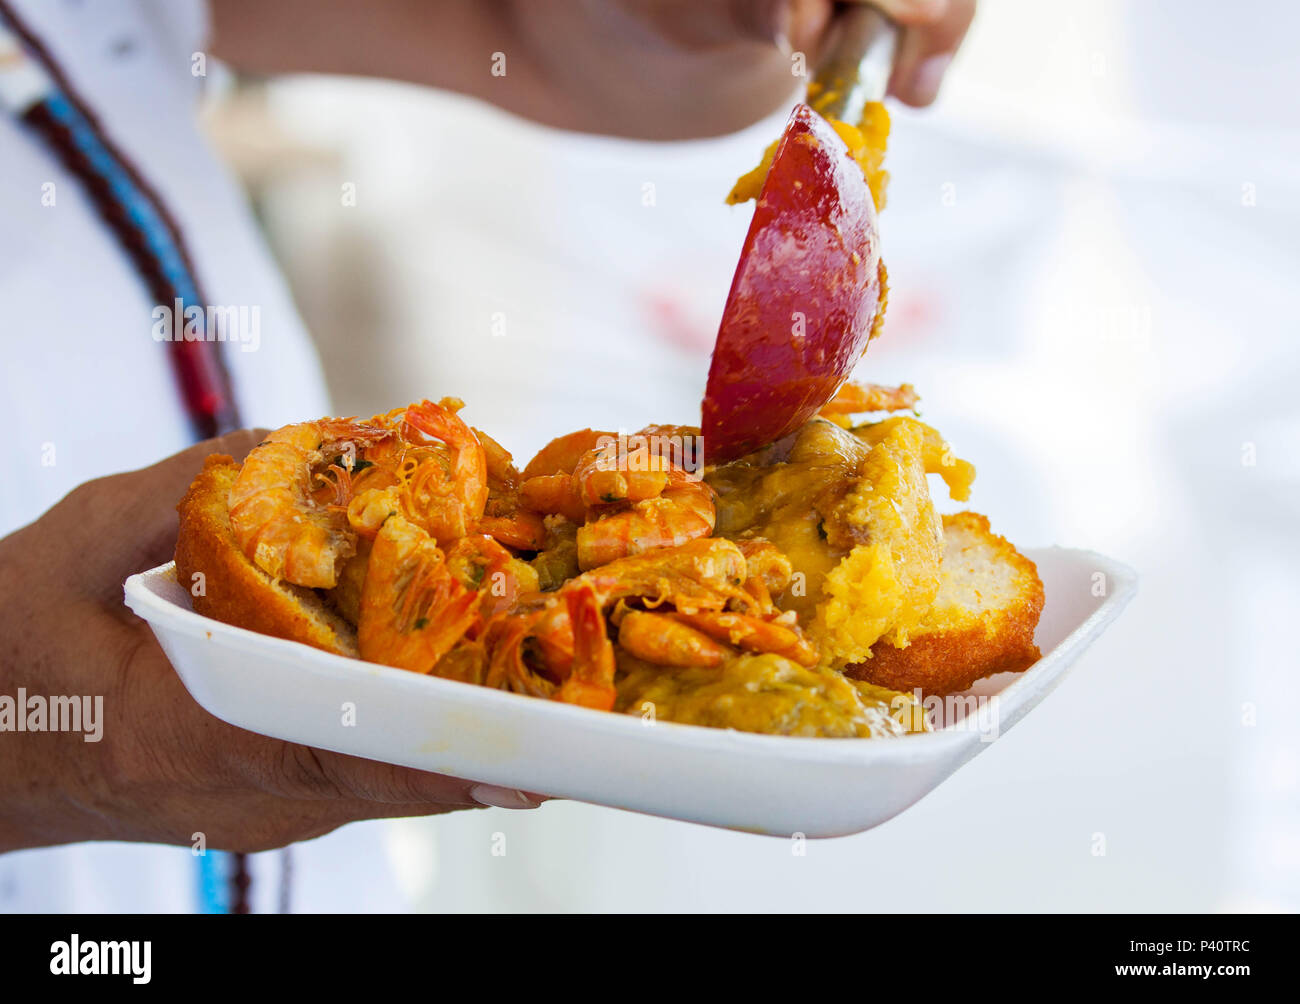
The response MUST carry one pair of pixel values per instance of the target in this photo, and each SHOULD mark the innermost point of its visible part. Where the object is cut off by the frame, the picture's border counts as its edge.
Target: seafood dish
(809, 588)
(780, 569)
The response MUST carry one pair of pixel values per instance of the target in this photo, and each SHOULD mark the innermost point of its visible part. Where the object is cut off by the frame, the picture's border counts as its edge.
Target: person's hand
(164, 769)
(649, 69)
(685, 68)
(933, 30)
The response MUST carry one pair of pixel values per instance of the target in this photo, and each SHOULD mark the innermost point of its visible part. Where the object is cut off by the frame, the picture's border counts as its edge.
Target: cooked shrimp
(522, 529)
(368, 509)
(596, 479)
(507, 668)
(754, 634)
(530, 652)
(505, 517)
(681, 445)
(551, 639)
(413, 609)
(480, 563)
(698, 575)
(275, 515)
(554, 495)
(561, 455)
(451, 500)
(441, 486)
(545, 648)
(500, 462)
(467, 662)
(590, 682)
(665, 641)
(685, 511)
(601, 478)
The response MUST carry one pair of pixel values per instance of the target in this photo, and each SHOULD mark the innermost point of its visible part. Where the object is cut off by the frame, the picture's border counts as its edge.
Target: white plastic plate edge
(553, 754)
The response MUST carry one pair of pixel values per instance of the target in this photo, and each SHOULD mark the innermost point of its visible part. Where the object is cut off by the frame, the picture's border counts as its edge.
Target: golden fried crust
(981, 623)
(234, 589)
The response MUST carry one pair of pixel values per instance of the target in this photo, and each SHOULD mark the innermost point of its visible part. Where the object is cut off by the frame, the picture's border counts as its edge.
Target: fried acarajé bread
(236, 591)
(981, 623)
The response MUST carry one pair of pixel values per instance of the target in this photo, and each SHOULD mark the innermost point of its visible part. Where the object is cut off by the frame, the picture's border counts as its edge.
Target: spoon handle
(856, 65)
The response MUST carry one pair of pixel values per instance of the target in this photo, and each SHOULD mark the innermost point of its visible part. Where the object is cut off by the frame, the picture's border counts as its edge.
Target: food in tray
(805, 589)
(784, 572)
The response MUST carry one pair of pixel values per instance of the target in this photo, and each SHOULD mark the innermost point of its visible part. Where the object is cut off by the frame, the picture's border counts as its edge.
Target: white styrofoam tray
(778, 785)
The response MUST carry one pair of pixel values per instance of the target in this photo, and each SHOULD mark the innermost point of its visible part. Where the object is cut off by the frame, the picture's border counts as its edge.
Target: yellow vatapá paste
(866, 142)
(851, 509)
(763, 692)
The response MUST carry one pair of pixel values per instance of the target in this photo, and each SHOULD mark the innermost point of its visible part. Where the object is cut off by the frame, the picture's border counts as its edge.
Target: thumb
(106, 529)
(146, 499)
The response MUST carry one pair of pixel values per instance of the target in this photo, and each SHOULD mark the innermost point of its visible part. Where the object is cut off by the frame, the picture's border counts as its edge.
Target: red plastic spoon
(804, 296)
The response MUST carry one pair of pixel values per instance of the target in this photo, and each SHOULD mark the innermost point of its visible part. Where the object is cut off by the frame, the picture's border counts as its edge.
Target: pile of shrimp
(449, 560)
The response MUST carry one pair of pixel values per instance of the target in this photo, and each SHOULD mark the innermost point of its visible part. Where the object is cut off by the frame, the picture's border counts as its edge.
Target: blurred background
(1092, 257)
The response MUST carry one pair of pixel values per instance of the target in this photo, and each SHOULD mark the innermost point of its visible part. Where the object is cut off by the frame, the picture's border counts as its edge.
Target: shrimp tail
(590, 682)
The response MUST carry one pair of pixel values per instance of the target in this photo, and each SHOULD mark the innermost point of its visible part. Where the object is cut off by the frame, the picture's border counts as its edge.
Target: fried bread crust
(982, 621)
(236, 591)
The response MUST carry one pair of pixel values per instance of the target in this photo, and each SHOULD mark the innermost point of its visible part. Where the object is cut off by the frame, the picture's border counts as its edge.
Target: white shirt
(85, 390)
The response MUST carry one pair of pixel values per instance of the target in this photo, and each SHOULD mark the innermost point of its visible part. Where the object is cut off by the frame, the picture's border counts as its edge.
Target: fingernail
(502, 798)
(928, 77)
